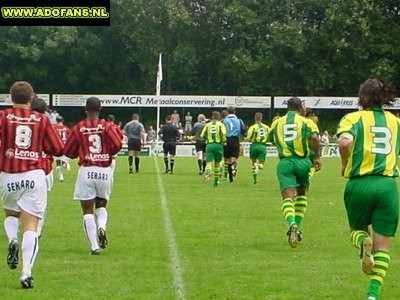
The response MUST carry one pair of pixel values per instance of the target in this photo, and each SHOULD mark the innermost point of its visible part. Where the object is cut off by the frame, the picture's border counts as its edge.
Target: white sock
(60, 171)
(30, 248)
(40, 226)
(102, 217)
(11, 226)
(89, 225)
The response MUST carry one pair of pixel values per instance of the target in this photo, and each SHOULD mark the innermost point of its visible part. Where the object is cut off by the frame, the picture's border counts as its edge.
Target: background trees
(230, 47)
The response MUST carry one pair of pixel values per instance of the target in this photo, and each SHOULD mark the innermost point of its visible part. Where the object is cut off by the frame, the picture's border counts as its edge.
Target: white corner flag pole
(158, 90)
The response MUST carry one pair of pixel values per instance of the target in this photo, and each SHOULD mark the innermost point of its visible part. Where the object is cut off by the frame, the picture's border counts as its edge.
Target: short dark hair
(258, 116)
(168, 118)
(111, 118)
(21, 92)
(93, 104)
(230, 109)
(39, 105)
(375, 92)
(135, 116)
(294, 104)
(215, 115)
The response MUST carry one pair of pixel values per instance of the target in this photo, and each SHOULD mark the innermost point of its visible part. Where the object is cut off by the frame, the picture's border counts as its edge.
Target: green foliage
(232, 47)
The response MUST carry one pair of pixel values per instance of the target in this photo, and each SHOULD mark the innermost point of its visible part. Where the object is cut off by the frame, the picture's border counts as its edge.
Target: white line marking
(177, 271)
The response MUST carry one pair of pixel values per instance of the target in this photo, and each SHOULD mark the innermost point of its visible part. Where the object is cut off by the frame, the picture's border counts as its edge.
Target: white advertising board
(164, 101)
(5, 99)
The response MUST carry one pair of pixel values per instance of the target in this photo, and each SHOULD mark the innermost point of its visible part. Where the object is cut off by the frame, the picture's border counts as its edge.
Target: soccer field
(177, 237)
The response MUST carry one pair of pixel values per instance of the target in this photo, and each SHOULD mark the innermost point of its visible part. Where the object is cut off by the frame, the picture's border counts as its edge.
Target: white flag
(159, 77)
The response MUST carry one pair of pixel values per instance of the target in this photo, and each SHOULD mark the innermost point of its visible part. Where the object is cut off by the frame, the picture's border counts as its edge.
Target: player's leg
(130, 154)
(29, 247)
(49, 186)
(254, 165)
(166, 162)
(218, 153)
(172, 158)
(11, 227)
(89, 225)
(384, 224)
(136, 154)
(60, 169)
(209, 159)
(102, 219)
(287, 183)
(33, 203)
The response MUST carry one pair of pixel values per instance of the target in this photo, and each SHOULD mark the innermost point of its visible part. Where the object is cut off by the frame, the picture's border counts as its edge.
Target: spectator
(175, 119)
(188, 123)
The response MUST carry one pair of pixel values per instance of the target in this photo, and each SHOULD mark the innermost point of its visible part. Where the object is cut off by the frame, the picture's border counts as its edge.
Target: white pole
(158, 90)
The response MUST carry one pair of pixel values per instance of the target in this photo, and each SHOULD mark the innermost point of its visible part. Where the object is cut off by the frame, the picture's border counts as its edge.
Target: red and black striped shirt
(63, 131)
(94, 142)
(24, 134)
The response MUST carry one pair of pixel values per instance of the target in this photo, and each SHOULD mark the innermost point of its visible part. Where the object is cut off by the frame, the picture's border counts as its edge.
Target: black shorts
(200, 146)
(134, 144)
(169, 148)
(232, 148)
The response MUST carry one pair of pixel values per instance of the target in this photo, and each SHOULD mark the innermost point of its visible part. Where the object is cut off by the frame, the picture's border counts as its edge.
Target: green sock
(382, 259)
(288, 210)
(300, 206)
(357, 237)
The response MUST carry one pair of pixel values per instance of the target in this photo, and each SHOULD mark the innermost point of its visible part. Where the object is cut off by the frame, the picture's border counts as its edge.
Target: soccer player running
(214, 133)
(369, 143)
(24, 134)
(234, 129)
(94, 141)
(200, 142)
(294, 135)
(62, 161)
(111, 120)
(169, 133)
(257, 135)
(40, 106)
(135, 132)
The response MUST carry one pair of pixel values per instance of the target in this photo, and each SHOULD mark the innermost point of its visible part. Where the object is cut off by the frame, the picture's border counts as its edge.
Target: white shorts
(93, 182)
(62, 158)
(25, 191)
(49, 181)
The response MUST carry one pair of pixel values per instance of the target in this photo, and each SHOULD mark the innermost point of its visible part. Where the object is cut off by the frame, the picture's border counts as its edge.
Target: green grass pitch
(177, 237)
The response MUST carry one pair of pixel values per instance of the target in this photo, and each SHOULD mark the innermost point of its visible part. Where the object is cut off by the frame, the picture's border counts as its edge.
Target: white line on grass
(177, 271)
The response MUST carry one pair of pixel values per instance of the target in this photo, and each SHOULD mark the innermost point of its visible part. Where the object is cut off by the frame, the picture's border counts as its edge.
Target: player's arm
(114, 139)
(223, 133)
(71, 146)
(314, 145)
(53, 143)
(204, 133)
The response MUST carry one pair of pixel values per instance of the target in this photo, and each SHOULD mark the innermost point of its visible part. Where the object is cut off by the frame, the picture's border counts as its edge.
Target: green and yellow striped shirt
(291, 135)
(258, 133)
(214, 132)
(376, 142)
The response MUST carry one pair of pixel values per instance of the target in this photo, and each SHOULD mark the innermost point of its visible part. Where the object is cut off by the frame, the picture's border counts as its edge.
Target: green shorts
(258, 151)
(293, 172)
(214, 152)
(372, 200)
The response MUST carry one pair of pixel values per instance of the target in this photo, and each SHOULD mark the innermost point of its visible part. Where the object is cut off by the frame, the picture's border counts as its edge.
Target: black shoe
(12, 257)
(95, 252)
(201, 173)
(130, 170)
(103, 242)
(27, 282)
(170, 172)
(166, 171)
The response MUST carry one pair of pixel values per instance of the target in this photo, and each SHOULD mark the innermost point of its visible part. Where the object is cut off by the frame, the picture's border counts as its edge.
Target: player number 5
(289, 132)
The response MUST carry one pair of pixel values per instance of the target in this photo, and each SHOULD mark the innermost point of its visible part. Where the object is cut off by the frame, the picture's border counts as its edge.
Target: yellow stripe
(377, 278)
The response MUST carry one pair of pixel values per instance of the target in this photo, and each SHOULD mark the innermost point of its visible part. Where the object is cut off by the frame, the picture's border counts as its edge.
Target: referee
(169, 133)
(135, 132)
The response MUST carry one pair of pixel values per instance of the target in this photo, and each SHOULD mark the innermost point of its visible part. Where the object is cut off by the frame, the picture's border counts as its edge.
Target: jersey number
(382, 142)
(261, 132)
(95, 139)
(213, 129)
(23, 136)
(289, 132)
